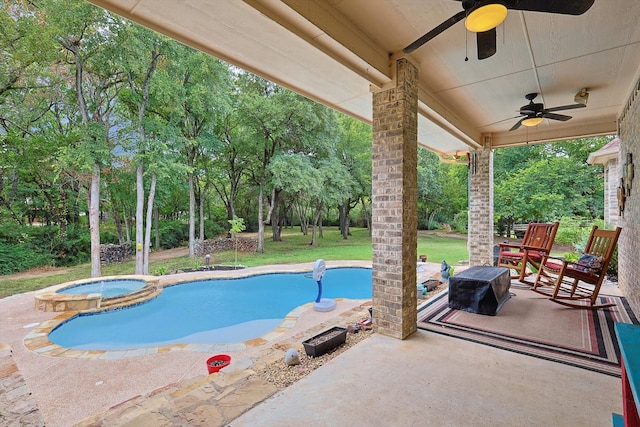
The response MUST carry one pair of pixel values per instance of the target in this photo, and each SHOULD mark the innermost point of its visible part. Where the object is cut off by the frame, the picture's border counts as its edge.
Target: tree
(552, 182)
(202, 86)
(28, 93)
(231, 160)
(86, 34)
(354, 153)
(237, 226)
(140, 56)
(297, 180)
(277, 121)
(430, 182)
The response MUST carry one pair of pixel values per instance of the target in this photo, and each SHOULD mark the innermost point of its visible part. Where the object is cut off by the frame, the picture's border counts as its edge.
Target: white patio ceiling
(337, 51)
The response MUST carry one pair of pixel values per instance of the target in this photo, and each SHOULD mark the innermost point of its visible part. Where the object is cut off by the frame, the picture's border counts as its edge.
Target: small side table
(480, 289)
(629, 339)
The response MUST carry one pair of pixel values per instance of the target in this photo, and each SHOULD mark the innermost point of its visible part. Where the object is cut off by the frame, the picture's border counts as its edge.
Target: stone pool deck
(69, 386)
(427, 379)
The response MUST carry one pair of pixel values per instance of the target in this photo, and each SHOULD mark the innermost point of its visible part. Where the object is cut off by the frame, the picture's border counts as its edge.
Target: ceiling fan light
(532, 121)
(485, 16)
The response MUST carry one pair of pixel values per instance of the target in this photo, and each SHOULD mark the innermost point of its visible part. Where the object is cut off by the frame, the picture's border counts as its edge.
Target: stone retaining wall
(111, 254)
(210, 246)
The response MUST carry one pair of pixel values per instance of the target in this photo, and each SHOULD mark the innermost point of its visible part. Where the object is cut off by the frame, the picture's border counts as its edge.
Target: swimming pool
(108, 288)
(214, 311)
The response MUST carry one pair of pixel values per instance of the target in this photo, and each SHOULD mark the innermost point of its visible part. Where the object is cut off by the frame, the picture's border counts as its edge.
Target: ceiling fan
(533, 113)
(483, 16)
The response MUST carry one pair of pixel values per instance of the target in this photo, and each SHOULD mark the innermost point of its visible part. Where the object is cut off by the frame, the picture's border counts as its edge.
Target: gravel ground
(282, 376)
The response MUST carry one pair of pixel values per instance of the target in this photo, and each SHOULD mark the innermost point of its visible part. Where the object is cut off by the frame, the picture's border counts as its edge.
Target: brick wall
(628, 246)
(394, 212)
(480, 228)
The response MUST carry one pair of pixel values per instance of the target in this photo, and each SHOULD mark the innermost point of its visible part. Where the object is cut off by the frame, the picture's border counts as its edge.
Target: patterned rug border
(605, 361)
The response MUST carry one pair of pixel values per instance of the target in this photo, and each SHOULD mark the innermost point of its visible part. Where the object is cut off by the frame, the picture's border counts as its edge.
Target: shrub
(575, 231)
(213, 228)
(73, 247)
(173, 234)
(16, 258)
(460, 222)
(108, 237)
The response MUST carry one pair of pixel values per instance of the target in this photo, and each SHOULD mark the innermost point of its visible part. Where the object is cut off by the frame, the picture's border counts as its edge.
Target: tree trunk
(276, 217)
(316, 218)
(343, 211)
(201, 215)
(127, 224)
(192, 217)
(367, 215)
(432, 215)
(260, 248)
(147, 236)
(94, 220)
(156, 221)
(139, 219)
(118, 221)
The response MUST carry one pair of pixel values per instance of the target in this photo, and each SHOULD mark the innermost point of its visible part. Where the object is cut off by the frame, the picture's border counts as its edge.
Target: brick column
(394, 211)
(480, 234)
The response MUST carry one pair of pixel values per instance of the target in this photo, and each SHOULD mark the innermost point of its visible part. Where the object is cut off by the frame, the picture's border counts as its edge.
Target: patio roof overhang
(609, 152)
(337, 52)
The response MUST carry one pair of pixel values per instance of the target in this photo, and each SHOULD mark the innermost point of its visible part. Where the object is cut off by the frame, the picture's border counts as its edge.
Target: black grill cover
(480, 289)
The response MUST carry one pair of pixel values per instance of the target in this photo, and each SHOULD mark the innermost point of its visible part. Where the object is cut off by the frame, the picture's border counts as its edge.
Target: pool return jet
(321, 304)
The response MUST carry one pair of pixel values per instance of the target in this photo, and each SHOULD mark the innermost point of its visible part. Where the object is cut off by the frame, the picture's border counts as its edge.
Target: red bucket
(217, 362)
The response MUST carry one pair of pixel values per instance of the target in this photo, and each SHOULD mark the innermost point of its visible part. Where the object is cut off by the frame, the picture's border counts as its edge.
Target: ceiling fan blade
(486, 43)
(568, 7)
(517, 125)
(503, 120)
(566, 107)
(437, 30)
(553, 116)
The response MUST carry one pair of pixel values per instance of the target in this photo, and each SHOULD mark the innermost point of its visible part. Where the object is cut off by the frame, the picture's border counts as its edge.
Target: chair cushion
(512, 255)
(589, 263)
(536, 255)
(553, 265)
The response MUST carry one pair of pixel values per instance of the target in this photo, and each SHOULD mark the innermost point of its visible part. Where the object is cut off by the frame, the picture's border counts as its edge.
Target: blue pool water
(210, 311)
(108, 288)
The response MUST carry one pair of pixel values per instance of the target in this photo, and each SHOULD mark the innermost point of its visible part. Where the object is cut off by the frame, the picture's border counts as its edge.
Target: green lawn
(293, 248)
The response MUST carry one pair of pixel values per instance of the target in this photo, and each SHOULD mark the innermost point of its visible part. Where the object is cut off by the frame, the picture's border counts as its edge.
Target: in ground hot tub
(90, 294)
(108, 288)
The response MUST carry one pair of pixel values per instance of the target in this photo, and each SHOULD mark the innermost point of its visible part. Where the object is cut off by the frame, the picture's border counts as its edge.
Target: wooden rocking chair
(581, 280)
(537, 243)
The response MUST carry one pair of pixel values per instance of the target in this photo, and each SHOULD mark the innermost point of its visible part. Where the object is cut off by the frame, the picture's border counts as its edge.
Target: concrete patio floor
(434, 380)
(427, 379)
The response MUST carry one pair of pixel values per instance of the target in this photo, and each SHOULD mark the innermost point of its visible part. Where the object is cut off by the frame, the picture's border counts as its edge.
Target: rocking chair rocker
(537, 243)
(572, 282)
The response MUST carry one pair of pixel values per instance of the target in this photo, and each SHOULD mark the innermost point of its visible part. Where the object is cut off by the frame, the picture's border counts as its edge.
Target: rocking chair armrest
(534, 248)
(509, 245)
